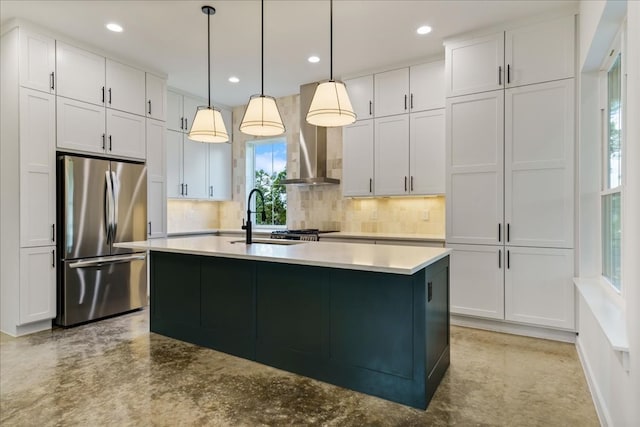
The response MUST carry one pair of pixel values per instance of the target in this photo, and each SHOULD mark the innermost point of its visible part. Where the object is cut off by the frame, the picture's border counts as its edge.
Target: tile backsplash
(319, 206)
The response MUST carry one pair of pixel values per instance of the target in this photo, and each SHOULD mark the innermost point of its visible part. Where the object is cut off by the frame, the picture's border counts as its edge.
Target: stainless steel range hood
(313, 146)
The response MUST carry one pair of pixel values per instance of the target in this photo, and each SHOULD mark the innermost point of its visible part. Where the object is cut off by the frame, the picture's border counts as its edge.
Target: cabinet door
(475, 65)
(156, 179)
(540, 52)
(391, 92)
(427, 86)
(477, 280)
(37, 61)
(220, 160)
(156, 107)
(195, 169)
(427, 152)
(539, 287)
(361, 96)
(126, 134)
(357, 159)
(539, 153)
(37, 168)
(80, 74)
(125, 88)
(175, 187)
(175, 118)
(80, 126)
(37, 284)
(475, 170)
(190, 105)
(392, 155)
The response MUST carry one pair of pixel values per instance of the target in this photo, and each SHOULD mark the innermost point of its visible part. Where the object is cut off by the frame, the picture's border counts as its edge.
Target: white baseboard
(31, 328)
(513, 328)
(596, 396)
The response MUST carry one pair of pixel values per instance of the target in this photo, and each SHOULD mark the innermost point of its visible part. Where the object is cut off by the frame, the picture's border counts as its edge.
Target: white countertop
(384, 236)
(353, 256)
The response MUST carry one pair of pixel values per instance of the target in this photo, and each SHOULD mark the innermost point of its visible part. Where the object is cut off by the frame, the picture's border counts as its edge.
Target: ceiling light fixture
(314, 59)
(112, 26)
(425, 29)
(262, 117)
(208, 125)
(234, 79)
(330, 105)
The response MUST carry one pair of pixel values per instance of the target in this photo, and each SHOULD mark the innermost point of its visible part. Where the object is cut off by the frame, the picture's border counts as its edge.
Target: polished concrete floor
(116, 373)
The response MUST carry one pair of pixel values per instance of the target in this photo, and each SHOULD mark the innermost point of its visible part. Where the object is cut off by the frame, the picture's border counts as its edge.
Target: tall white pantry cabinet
(510, 173)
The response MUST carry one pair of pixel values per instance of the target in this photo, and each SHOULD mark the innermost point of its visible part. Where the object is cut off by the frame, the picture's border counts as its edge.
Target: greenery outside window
(266, 168)
(612, 173)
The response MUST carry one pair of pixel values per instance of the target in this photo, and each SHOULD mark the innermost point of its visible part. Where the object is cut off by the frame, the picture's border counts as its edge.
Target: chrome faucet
(248, 225)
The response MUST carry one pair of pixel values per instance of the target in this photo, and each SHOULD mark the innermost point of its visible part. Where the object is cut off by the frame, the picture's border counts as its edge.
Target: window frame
(250, 175)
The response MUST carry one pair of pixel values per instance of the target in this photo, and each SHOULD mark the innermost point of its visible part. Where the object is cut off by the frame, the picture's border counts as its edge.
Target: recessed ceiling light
(234, 79)
(425, 29)
(314, 59)
(112, 26)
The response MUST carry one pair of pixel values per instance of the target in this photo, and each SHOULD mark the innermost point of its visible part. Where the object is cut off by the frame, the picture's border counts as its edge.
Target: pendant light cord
(262, 47)
(331, 40)
(209, 56)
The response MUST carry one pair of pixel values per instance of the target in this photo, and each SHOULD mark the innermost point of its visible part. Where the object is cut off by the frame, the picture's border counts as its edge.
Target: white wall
(616, 391)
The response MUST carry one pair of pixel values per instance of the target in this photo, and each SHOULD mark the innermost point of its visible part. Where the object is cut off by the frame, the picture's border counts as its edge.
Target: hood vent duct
(313, 146)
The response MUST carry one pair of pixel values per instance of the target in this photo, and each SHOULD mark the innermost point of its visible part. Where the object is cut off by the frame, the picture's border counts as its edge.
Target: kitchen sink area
(266, 241)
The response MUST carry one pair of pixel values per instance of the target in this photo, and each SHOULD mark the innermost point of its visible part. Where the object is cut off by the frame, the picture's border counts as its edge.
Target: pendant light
(208, 125)
(330, 106)
(262, 117)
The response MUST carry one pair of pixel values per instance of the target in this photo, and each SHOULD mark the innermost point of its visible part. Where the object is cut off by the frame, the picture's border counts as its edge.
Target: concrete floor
(115, 372)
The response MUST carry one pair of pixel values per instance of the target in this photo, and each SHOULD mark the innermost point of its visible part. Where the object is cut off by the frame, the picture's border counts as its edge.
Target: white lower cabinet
(477, 280)
(37, 284)
(539, 288)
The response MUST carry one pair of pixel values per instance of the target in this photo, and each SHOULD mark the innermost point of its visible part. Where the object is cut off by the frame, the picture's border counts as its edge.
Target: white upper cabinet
(190, 106)
(360, 92)
(539, 288)
(125, 88)
(80, 126)
(37, 61)
(156, 179)
(357, 159)
(392, 155)
(540, 52)
(427, 152)
(126, 135)
(37, 168)
(475, 65)
(195, 157)
(427, 86)
(175, 186)
(220, 159)
(175, 118)
(156, 105)
(475, 169)
(391, 92)
(539, 153)
(80, 74)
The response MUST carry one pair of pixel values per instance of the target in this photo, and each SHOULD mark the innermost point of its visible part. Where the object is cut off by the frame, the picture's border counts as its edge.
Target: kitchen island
(370, 318)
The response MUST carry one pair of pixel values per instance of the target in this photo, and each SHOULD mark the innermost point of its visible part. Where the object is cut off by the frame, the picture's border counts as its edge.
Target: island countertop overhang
(405, 260)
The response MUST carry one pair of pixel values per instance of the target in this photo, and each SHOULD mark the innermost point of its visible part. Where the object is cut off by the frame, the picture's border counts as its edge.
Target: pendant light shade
(208, 126)
(330, 106)
(262, 117)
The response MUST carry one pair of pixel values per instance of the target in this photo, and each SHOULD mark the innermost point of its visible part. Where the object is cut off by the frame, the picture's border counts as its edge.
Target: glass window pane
(614, 108)
(269, 168)
(611, 238)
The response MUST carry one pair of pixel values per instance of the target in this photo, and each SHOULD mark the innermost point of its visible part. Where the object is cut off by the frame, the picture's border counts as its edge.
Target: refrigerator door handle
(107, 261)
(108, 207)
(115, 194)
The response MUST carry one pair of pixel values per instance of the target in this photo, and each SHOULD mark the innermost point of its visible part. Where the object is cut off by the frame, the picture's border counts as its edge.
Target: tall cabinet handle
(508, 260)
(370, 108)
(109, 95)
(405, 183)
(499, 232)
(370, 185)
(103, 94)
(182, 189)
(53, 258)
(53, 80)
(53, 232)
(104, 144)
(411, 102)
(508, 232)
(411, 185)
(149, 107)
(508, 73)
(405, 102)
(186, 189)
(499, 258)
(499, 75)
(110, 144)
(149, 228)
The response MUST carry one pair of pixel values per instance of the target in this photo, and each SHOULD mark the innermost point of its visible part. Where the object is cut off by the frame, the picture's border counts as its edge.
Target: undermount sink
(263, 241)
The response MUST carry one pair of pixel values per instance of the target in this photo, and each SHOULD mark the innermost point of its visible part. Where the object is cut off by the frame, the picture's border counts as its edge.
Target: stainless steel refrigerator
(100, 202)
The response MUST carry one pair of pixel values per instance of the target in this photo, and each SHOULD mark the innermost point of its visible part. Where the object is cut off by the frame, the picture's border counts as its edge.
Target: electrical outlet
(374, 214)
(425, 215)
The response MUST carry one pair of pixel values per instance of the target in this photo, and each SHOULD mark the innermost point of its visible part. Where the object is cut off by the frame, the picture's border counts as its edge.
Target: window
(266, 168)
(612, 170)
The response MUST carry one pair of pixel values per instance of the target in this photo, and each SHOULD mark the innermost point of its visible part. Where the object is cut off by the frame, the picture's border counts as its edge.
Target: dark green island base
(378, 333)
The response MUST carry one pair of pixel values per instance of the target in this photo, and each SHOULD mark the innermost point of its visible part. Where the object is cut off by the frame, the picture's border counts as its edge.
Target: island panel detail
(379, 333)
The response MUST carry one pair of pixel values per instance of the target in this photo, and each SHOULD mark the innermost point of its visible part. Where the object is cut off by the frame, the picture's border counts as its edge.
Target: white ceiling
(170, 36)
